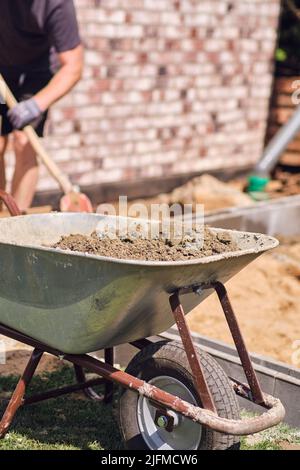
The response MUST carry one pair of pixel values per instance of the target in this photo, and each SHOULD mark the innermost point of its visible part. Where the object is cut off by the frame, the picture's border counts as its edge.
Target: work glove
(24, 113)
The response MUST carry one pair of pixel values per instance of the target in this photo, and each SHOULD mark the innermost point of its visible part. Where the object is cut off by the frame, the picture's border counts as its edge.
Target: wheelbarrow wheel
(165, 365)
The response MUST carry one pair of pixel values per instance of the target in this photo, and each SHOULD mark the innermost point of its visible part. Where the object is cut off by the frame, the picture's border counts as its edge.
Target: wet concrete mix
(157, 249)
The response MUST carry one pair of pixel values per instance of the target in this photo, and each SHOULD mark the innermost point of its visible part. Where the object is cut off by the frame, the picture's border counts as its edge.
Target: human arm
(64, 80)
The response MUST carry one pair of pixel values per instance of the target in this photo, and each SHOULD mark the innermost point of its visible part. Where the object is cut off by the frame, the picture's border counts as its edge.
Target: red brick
(169, 87)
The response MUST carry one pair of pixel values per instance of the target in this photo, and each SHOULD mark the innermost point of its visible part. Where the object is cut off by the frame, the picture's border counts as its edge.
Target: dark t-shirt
(31, 29)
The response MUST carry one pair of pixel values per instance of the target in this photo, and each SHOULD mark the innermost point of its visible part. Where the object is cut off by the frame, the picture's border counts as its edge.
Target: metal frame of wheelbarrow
(162, 400)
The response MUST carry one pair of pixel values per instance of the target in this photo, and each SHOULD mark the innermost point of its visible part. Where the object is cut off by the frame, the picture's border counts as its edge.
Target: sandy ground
(266, 298)
(205, 190)
(16, 356)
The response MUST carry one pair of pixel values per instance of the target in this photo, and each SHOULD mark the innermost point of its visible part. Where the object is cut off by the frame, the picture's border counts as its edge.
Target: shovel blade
(76, 202)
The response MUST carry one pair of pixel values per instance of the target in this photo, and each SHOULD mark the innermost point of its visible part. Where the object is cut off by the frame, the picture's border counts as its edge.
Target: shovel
(73, 200)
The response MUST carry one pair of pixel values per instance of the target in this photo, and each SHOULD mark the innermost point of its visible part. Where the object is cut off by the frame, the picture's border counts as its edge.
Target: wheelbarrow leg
(186, 338)
(233, 325)
(89, 392)
(239, 342)
(109, 386)
(18, 395)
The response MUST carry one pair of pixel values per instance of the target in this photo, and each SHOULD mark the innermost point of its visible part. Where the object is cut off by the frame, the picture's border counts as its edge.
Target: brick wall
(170, 86)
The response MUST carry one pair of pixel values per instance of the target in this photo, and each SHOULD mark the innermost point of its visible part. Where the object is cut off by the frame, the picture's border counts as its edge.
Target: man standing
(33, 35)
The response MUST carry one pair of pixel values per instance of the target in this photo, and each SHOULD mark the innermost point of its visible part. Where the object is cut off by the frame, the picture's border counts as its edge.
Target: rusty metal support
(236, 334)
(88, 391)
(273, 416)
(238, 341)
(186, 338)
(17, 397)
(109, 386)
(65, 391)
(164, 400)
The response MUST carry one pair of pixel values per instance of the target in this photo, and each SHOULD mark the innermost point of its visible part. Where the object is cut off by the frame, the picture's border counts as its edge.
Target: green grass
(70, 423)
(65, 423)
(277, 438)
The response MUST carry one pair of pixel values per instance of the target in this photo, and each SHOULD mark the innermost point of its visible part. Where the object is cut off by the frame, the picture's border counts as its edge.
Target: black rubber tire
(169, 358)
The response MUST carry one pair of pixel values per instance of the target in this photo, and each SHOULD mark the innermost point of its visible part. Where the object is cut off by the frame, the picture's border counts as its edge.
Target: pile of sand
(207, 190)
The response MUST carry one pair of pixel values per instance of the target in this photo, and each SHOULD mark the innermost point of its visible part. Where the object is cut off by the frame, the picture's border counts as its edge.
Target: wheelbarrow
(70, 304)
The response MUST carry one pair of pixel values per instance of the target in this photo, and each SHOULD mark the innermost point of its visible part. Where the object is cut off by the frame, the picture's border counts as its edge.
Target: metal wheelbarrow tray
(70, 304)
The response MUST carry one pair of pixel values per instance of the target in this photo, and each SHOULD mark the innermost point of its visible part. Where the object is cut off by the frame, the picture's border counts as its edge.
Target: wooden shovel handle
(36, 143)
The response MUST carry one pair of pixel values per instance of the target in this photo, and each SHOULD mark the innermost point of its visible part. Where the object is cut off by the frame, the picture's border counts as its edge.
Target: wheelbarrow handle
(10, 203)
